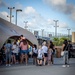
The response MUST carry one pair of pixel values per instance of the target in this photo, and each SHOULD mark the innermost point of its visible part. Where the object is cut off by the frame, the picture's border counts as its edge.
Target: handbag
(62, 53)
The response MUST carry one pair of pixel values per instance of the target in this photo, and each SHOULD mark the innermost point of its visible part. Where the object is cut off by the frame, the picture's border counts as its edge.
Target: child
(40, 56)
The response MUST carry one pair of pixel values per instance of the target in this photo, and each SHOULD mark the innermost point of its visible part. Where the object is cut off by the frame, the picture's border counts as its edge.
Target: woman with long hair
(45, 52)
(53, 50)
(24, 51)
(34, 53)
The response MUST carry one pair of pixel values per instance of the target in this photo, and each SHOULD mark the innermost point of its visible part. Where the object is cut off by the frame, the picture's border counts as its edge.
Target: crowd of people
(19, 51)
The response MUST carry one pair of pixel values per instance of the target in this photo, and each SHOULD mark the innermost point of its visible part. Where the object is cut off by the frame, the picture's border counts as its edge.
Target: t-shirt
(45, 49)
(8, 47)
(35, 50)
(40, 53)
(15, 49)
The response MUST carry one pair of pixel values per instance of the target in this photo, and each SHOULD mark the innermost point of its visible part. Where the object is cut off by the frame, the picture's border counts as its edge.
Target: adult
(40, 56)
(53, 51)
(35, 51)
(49, 55)
(22, 37)
(24, 51)
(15, 51)
(65, 56)
(45, 51)
(7, 47)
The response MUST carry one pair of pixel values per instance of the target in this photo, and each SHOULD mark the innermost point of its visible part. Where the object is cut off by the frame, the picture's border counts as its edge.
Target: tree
(59, 41)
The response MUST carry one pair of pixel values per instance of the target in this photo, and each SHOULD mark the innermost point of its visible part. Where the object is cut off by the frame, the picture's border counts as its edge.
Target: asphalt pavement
(30, 69)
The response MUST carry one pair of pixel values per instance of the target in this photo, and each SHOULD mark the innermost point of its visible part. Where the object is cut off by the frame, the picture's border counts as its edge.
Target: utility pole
(42, 32)
(56, 27)
(17, 10)
(9, 16)
(68, 33)
(10, 8)
(26, 24)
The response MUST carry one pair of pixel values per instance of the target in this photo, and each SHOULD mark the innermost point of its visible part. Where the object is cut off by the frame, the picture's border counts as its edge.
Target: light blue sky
(41, 13)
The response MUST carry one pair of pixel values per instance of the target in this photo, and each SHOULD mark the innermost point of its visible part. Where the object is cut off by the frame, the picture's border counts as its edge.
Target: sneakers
(8, 65)
(68, 66)
(63, 65)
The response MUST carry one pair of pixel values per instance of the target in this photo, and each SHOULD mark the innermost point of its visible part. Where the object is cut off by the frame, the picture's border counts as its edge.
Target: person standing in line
(45, 51)
(34, 50)
(22, 38)
(65, 56)
(70, 48)
(40, 56)
(49, 55)
(53, 51)
(7, 48)
(24, 51)
(15, 51)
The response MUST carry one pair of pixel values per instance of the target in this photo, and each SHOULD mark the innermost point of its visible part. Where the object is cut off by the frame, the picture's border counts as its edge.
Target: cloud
(63, 25)
(73, 16)
(4, 15)
(18, 5)
(29, 10)
(62, 6)
(50, 22)
(35, 20)
(3, 4)
(55, 2)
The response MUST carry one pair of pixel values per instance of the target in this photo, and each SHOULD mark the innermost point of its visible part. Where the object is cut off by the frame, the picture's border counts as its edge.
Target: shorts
(13, 53)
(24, 51)
(39, 58)
(34, 54)
(45, 55)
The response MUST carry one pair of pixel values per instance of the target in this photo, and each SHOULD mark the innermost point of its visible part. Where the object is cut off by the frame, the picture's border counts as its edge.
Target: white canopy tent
(8, 30)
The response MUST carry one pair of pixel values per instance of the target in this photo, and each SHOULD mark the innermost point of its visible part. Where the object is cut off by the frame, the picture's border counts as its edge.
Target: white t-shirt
(45, 49)
(40, 53)
(35, 50)
(15, 49)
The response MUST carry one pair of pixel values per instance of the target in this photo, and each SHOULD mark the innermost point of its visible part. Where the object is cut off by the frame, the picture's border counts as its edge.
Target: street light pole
(26, 24)
(11, 12)
(55, 27)
(16, 14)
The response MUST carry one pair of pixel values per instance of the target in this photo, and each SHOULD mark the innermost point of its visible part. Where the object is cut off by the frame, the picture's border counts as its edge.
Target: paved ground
(55, 69)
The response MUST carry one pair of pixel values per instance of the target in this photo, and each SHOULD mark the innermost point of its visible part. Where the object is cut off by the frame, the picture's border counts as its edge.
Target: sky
(41, 14)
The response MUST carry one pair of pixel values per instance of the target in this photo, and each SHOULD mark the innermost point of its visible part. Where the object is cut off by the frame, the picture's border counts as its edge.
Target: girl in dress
(49, 56)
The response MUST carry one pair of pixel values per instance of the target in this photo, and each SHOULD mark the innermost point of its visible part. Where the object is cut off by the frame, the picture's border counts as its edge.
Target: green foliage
(59, 41)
